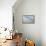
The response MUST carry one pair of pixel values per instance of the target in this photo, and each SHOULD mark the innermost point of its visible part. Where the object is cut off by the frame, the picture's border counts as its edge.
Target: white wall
(43, 22)
(6, 13)
(31, 31)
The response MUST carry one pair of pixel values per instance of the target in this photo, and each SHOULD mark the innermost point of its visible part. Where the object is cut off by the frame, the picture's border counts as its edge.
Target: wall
(6, 13)
(30, 31)
(43, 22)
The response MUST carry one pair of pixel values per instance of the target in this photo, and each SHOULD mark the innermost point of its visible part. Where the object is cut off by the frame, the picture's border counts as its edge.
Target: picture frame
(28, 19)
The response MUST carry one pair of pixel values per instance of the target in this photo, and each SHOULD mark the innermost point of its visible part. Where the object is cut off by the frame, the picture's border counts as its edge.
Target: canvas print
(28, 19)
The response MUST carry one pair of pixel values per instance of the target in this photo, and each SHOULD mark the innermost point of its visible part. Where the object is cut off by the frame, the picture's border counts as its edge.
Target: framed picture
(28, 19)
